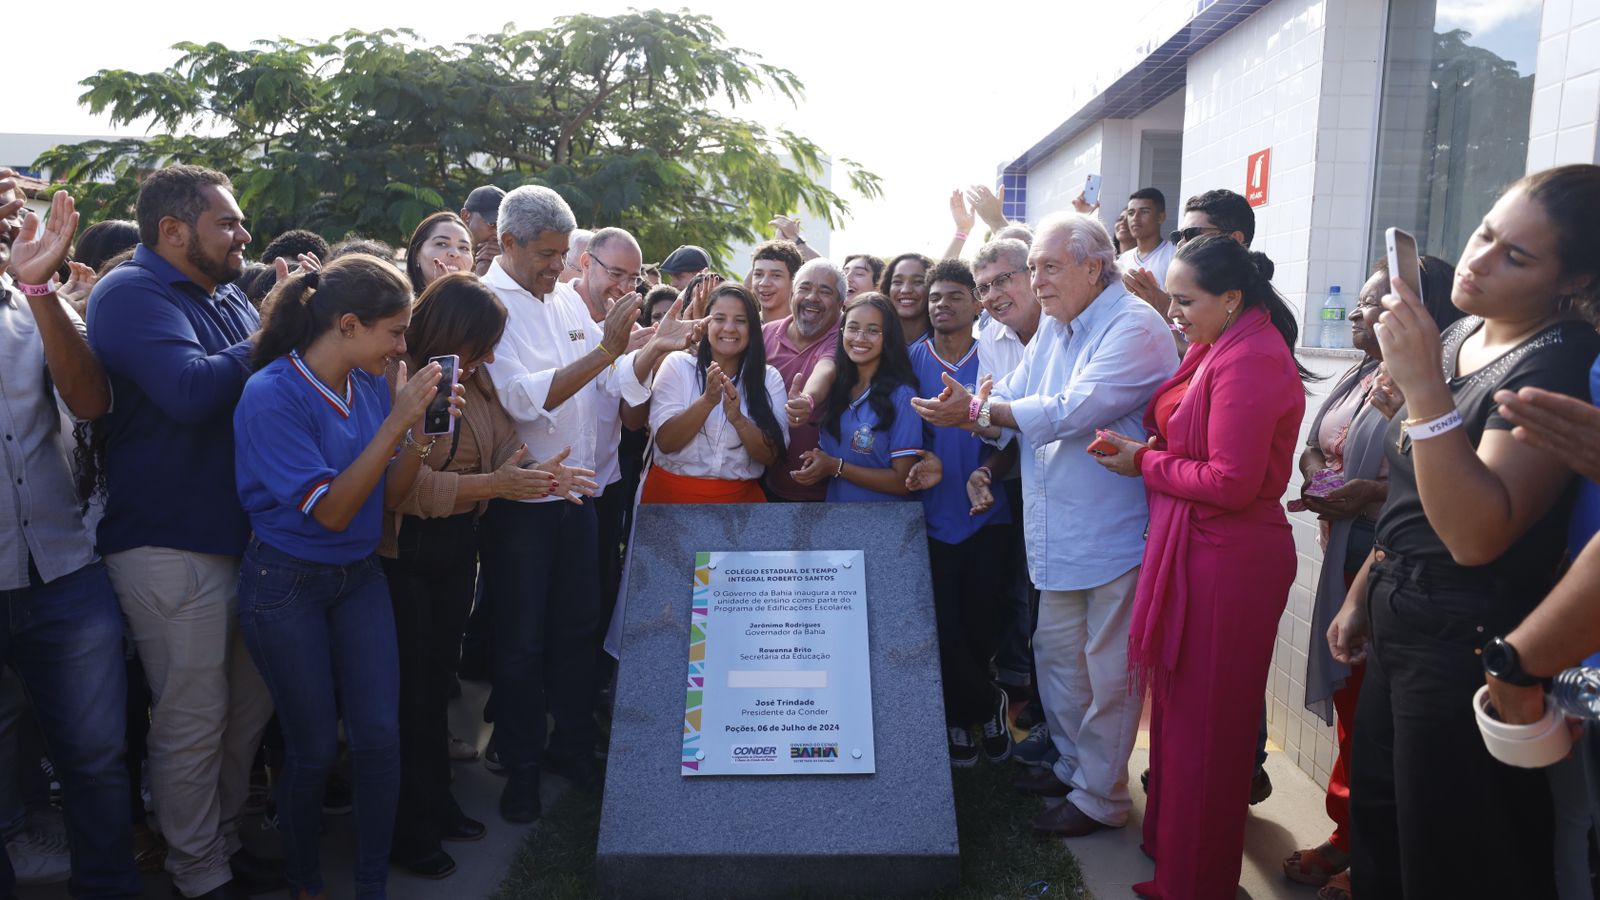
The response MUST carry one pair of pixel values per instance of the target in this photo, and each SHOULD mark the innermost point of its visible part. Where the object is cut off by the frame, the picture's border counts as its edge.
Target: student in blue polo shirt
(967, 545)
(319, 452)
(871, 436)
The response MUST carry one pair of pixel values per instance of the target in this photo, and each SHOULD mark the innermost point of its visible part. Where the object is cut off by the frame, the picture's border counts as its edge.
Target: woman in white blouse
(712, 412)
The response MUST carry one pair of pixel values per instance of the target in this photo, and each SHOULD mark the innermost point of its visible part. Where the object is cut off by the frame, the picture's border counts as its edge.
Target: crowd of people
(262, 514)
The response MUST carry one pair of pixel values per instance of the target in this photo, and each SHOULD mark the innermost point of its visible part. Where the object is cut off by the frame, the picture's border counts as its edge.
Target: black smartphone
(437, 420)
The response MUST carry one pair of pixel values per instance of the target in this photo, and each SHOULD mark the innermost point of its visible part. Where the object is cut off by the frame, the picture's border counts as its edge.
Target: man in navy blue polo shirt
(175, 338)
(967, 547)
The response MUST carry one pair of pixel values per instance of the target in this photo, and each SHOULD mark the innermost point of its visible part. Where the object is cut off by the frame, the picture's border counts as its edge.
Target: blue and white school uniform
(294, 435)
(861, 442)
(946, 505)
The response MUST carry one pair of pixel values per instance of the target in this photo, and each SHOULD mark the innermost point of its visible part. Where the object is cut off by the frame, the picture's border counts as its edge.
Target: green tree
(371, 131)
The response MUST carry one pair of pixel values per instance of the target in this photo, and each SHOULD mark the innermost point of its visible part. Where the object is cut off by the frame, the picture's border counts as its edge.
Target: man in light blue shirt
(1096, 360)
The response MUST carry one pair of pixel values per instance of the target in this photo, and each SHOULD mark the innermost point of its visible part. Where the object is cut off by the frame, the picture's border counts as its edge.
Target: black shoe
(1144, 780)
(232, 890)
(462, 830)
(337, 799)
(435, 865)
(996, 739)
(1260, 787)
(519, 802)
(256, 874)
(582, 771)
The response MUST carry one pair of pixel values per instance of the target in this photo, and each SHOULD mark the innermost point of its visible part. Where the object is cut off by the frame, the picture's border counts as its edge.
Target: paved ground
(480, 865)
(1292, 818)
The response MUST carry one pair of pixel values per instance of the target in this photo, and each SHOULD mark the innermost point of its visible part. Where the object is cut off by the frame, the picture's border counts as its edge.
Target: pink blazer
(1230, 447)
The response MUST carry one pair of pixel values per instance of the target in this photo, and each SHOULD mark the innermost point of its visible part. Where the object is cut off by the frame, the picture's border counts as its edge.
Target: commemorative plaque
(779, 681)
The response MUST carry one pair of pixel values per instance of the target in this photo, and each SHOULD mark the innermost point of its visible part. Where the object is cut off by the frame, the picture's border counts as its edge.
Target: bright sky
(930, 97)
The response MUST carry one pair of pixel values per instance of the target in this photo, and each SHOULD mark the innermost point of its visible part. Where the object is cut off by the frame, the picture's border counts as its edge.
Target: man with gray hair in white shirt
(540, 558)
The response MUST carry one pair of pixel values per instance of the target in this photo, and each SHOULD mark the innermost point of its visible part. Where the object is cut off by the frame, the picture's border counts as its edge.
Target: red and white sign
(1257, 172)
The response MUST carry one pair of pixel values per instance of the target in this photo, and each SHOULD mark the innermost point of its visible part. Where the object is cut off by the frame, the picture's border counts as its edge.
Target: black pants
(540, 563)
(969, 593)
(1432, 813)
(430, 585)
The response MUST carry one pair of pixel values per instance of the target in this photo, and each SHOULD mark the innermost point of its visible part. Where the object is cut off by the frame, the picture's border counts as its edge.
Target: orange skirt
(661, 486)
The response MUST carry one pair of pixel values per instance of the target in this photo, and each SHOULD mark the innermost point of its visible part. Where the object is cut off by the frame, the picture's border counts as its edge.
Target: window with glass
(1453, 124)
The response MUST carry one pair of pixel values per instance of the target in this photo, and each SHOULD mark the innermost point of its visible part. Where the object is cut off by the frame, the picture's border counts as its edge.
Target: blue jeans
(64, 639)
(313, 630)
(541, 563)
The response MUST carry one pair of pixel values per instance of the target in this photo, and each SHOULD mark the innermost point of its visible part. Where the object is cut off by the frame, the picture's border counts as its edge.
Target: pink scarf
(1161, 599)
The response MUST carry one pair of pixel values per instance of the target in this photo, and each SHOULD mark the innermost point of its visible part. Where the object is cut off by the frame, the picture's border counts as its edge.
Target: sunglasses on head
(1189, 234)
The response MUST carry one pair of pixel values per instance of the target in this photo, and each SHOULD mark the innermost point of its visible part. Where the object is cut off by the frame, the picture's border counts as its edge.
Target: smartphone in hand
(1405, 264)
(437, 420)
(1091, 190)
(1101, 446)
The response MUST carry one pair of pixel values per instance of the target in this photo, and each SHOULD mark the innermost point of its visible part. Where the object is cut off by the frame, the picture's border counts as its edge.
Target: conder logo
(747, 753)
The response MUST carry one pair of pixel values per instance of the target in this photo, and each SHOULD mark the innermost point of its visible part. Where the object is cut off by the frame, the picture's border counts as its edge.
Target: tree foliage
(371, 131)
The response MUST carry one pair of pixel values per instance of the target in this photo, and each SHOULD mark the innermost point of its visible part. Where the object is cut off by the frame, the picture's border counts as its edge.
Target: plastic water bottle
(1576, 692)
(1335, 331)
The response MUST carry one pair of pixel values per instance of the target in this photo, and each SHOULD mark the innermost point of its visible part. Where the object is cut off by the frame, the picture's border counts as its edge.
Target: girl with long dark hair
(871, 436)
(440, 245)
(321, 449)
(905, 285)
(713, 412)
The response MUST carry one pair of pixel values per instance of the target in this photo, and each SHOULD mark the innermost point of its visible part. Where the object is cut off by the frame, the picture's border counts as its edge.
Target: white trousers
(1080, 649)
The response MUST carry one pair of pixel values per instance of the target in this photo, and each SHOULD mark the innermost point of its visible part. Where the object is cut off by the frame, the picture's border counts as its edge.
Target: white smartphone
(1404, 262)
(437, 420)
(1091, 190)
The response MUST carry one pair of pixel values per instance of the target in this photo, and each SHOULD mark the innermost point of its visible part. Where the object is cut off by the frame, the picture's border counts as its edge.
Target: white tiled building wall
(1303, 77)
(1566, 97)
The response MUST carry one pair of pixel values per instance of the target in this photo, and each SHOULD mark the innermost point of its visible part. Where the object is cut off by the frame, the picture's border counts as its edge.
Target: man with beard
(795, 344)
(175, 338)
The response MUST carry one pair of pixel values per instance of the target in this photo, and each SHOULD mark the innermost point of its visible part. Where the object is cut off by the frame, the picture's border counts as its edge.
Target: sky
(930, 100)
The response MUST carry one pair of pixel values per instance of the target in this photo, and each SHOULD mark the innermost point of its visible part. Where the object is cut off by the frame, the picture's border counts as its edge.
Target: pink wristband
(973, 408)
(34, 290)
(961, 235)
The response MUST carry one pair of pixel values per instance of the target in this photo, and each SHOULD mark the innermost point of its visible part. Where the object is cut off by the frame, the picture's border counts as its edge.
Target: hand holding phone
(1102, 445)
(1405, 263)
(437, 420)
(1091, 190)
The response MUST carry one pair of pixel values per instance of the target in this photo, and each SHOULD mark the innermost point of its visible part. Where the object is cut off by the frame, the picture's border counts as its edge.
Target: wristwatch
(1500, 660)
(983, 414)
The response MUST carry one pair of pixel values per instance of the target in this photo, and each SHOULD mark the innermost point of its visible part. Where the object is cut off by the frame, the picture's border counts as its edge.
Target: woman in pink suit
(1219, 558)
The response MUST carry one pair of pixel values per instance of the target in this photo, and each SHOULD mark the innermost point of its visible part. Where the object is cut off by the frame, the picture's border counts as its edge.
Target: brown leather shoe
(1042, 782)
(1065, 819)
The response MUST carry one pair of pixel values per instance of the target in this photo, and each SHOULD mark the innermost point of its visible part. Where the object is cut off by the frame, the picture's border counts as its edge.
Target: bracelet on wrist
(609, 355)
(961, 235)
(34, 290)
(839, 473)
(973, 408)
(985, 470)
(1422, 429)
(422, 450)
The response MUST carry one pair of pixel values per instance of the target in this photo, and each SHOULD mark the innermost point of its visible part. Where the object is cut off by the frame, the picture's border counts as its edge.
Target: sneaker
(49, 770)
(997, 732)
(39, 857)
(1035, 749)
(963, 752)
(461, 751)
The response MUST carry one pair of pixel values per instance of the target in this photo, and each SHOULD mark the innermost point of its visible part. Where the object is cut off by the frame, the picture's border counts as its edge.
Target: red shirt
(789, 360)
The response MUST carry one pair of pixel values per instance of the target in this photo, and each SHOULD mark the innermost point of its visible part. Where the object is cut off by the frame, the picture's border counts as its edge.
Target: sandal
(1316, 865)
(1337, 888)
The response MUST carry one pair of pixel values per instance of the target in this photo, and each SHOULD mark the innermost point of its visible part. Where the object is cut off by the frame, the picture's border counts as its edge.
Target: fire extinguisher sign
(1258, 171)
